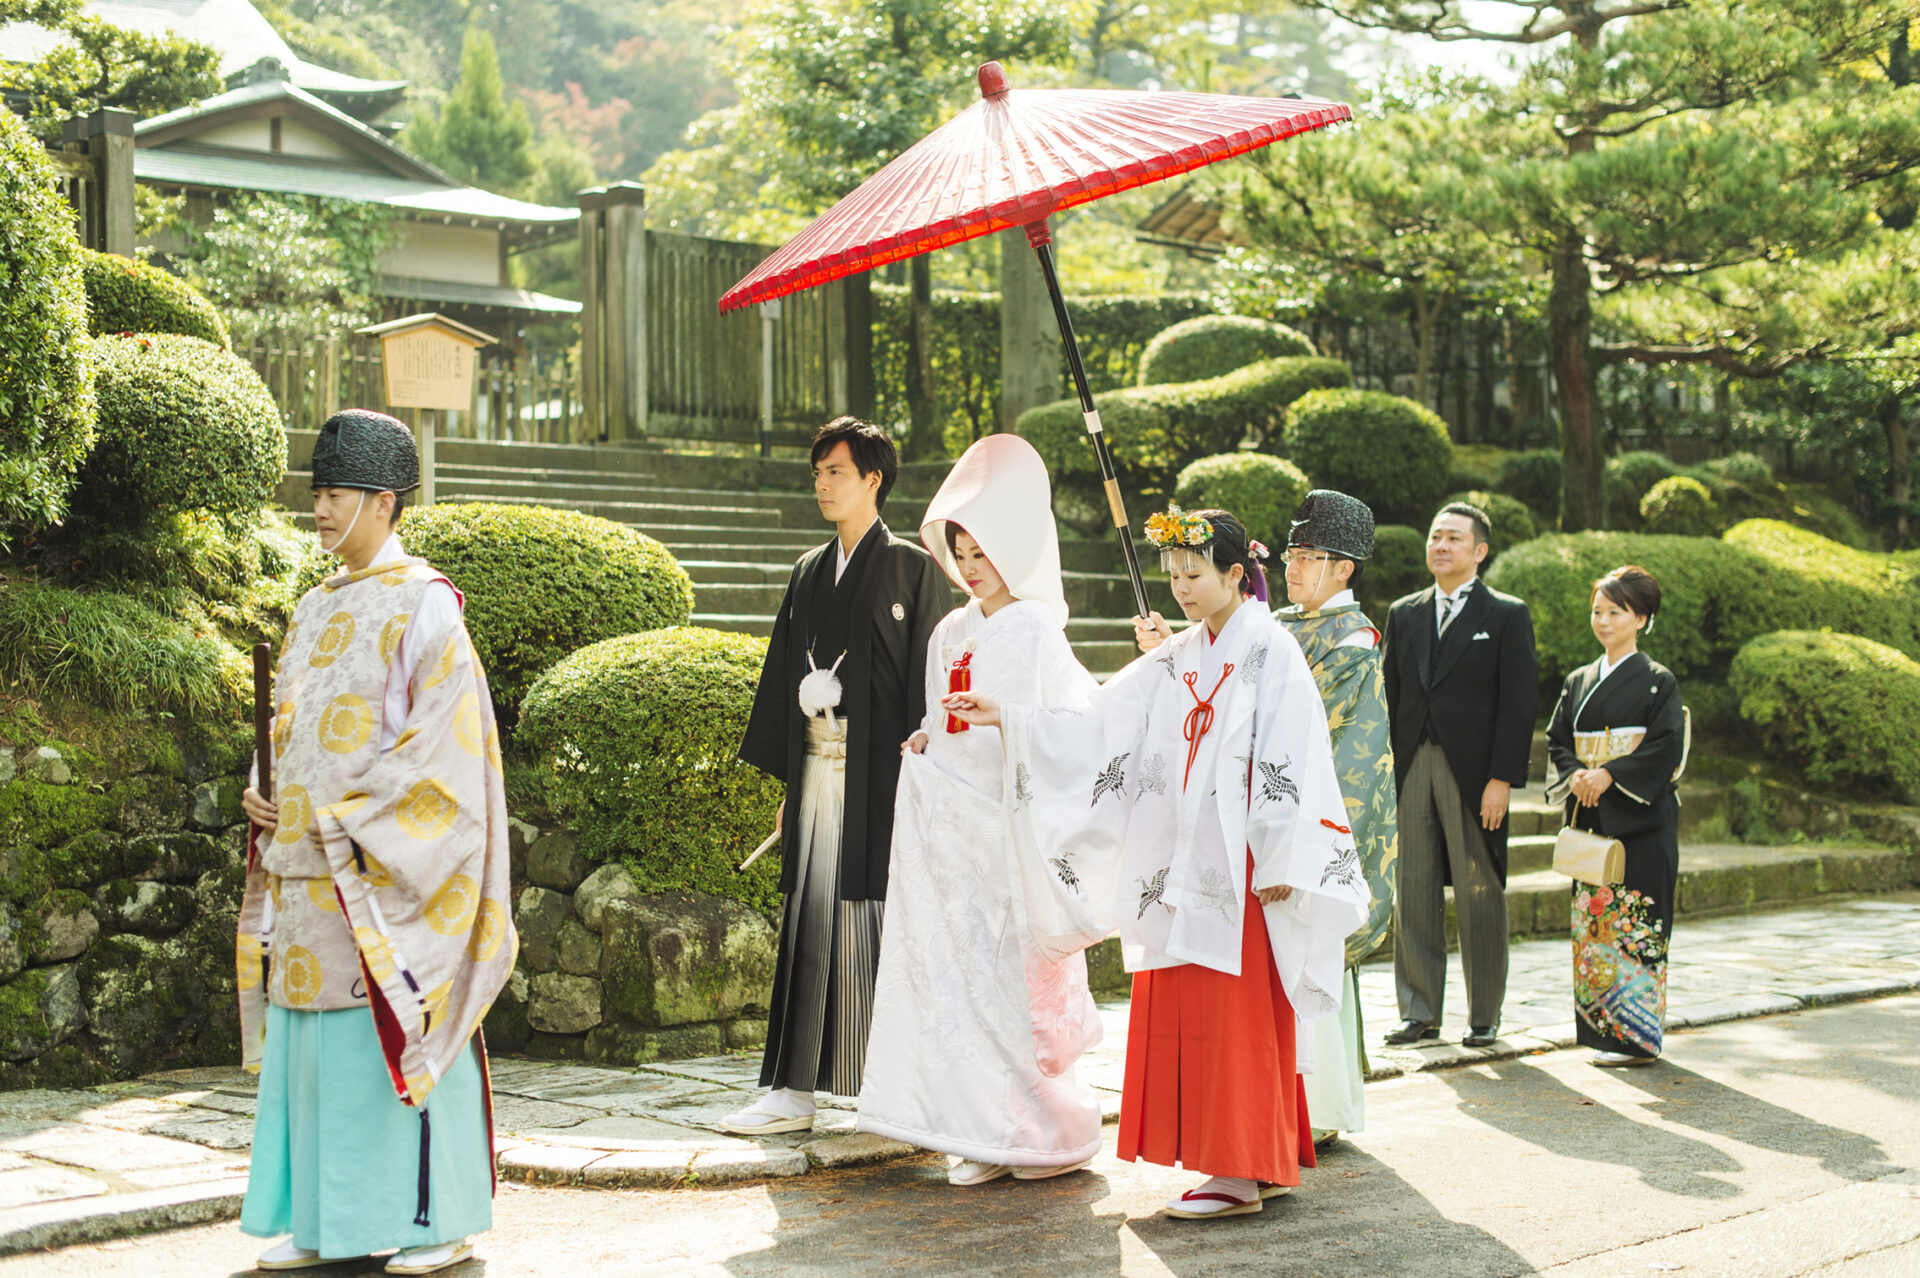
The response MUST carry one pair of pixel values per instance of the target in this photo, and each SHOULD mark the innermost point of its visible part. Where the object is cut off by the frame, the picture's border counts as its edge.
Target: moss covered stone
(39, 1009)
(148, 908)
(34, 814)
(60, 927)
(144, 1000)
(680, 958)
(179, 857)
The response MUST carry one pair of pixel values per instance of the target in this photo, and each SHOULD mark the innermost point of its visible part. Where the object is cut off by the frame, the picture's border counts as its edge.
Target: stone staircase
(735, 524)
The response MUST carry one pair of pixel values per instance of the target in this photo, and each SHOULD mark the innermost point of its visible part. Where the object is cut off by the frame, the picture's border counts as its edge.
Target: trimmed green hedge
(1534, 478)
(1716, 595)
(635, 740)
(1213, 345)
(126, 296)
(1263, 491)
(184, 425)
(1512, 521)
(1384, 449)
(543, 583)
(1742, 468)
(1681, 506)
(1157, 431)
(1398, 567)
(46, 383)
(1845, 709)
(1629, 478)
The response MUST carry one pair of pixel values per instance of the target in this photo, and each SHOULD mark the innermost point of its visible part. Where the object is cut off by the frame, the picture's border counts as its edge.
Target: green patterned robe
(1352, 685)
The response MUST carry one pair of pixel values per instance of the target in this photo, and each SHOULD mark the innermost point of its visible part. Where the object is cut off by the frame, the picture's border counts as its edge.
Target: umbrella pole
(1042, 240)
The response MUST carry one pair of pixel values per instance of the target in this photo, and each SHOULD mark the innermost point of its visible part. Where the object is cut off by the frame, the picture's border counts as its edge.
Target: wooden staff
(770, 841)
(262, 719)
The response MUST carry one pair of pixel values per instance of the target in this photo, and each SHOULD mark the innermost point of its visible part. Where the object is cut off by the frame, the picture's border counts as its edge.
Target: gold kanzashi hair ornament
(1175, 527)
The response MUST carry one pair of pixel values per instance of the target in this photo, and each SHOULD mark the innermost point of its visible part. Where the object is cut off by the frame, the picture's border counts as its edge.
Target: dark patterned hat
(359, 448)
(1327, 520)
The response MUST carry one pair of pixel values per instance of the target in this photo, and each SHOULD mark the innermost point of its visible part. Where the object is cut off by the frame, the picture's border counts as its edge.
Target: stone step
(1723, 878)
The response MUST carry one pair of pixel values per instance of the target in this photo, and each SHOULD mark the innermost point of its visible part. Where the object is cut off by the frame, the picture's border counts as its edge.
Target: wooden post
(593, 400)
(109, 134)
(769, 316)
(1029, 348)
(423, 435)
(330, 378)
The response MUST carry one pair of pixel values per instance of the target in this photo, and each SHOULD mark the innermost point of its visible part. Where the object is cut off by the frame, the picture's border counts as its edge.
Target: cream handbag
(1589, 857)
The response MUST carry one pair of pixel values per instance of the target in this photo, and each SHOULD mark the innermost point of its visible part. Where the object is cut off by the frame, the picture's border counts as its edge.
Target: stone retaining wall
(607, 974)
(116, 945)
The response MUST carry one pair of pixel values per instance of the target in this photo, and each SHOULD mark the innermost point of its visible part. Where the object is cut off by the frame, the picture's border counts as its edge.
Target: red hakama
(1210, 1082)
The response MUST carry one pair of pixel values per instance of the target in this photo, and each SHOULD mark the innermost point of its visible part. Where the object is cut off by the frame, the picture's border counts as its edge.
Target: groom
(861, 607)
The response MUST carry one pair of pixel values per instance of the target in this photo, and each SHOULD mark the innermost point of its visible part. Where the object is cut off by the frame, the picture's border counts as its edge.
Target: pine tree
(480, 138)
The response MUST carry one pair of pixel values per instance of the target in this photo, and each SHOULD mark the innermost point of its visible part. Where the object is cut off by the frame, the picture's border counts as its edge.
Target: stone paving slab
(169, 1149)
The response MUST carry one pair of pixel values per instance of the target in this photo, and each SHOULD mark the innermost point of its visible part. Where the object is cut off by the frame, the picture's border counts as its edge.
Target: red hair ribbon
(959, 679)
(1200, 718)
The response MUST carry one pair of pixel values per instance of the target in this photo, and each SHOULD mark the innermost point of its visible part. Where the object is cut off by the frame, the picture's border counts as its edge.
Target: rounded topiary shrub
(1156, 431)
(543, 583)
(1629, 478)
(184, 425)
(1843, 708)
(125, 296)
(1812, 581)
(1680, 506)
(1263, 491)
(1512, 521)
(1699, 578)
(1384, 449)
(1534, 478)
(1398, 567)
(1743, 468)
(46, 382)
(635, 741)
(1211, 345)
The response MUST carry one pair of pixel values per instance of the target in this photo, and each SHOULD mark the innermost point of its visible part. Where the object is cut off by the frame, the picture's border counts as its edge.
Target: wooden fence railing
(533, 400)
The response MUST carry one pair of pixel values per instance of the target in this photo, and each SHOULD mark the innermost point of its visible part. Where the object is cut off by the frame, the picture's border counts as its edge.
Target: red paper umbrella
(1014, 158)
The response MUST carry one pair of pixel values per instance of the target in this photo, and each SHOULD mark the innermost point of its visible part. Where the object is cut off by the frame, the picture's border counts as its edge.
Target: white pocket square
(1482, 635)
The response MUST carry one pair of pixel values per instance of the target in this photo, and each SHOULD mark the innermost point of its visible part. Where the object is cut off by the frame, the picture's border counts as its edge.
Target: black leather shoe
(1411, 1032)
(1481, 1036)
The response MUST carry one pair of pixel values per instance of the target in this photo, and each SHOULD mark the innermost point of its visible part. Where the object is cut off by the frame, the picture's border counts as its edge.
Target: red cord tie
(1200, 718)
(1331, 826)
(959, 679)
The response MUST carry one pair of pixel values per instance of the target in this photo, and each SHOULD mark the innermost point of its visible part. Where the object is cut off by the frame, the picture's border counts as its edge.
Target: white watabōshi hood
(999, 493)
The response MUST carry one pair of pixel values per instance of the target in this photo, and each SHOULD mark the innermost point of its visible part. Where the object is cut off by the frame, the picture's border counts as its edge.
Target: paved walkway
(171, 1148)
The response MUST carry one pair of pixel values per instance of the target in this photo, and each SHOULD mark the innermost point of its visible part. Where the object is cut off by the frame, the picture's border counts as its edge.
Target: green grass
(114, 651)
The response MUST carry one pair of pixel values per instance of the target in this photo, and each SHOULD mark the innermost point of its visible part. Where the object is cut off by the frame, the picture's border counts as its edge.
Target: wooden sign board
(429, 361)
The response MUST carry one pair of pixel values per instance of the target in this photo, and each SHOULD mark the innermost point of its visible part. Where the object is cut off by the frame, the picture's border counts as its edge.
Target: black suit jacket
(900, 596)
(1481, 684)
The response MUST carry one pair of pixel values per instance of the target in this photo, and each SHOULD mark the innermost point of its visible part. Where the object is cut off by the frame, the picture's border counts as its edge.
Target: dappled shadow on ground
(905, 1218)
(1526, 1102)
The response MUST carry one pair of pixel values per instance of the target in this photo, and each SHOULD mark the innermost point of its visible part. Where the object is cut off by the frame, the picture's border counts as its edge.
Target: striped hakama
(832, 948)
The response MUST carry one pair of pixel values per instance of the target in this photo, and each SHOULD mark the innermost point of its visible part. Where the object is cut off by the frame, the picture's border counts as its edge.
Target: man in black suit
(1462, 691)
(843, 686)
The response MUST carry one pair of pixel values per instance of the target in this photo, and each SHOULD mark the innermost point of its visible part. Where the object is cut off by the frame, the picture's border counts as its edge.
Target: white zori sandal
(1221, 1196)
(971, 1171)
(778, 1111)
(428, 1260)
(287, 1256)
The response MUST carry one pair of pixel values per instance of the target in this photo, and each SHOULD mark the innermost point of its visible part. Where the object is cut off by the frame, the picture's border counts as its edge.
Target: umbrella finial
(993, 80)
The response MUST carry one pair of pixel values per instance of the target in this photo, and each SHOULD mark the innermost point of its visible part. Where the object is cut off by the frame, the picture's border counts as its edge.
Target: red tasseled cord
(1200, 718)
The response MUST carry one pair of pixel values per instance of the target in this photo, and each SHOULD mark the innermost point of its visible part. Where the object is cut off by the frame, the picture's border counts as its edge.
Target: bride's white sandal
(428, 1260)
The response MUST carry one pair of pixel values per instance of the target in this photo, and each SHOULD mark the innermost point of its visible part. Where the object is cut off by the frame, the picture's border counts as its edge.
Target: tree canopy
(100, 65)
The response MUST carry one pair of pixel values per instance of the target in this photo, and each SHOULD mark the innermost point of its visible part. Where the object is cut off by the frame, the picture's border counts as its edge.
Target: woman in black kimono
(1616, 745)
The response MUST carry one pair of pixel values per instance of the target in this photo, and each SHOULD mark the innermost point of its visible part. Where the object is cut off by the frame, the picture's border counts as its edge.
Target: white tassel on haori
(820, 690)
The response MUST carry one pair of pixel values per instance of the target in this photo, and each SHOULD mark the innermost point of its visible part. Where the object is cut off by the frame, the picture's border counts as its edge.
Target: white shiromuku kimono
(975, 1031)
(975, 1028)
(1199, 765)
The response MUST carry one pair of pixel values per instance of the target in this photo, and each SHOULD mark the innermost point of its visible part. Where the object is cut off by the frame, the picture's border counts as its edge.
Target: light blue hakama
(336, 1154)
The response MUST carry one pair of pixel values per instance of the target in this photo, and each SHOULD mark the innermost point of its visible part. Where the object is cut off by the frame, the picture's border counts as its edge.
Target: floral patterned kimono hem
(1210, 1082)
(336, 1154)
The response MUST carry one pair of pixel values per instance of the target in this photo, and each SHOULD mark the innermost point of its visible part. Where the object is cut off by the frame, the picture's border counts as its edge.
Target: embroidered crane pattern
(1153, 775)
(1344, 868)
(1111, 780)
(1166, 659)
(1151, 890)
(1256, 661)
(1022, 784)
(1275, 784)
(1064, 872)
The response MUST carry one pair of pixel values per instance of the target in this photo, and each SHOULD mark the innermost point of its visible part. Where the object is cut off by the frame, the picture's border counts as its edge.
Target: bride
(975, 1031)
